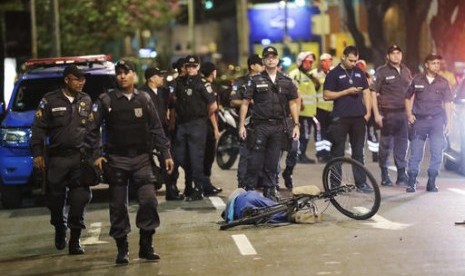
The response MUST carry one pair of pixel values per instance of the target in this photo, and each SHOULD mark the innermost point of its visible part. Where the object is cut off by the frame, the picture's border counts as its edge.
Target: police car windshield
(30, 92)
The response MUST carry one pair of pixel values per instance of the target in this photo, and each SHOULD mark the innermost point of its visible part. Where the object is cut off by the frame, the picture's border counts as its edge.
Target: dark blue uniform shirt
(429, 98)
(390, 86)
(340, 79)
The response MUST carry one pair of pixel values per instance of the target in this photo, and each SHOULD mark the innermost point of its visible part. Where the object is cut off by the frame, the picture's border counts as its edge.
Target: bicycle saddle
(306, 190)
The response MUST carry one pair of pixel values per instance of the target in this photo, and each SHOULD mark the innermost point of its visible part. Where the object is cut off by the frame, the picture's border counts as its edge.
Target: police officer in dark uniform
(160, 97)
(429, 107)
(347, 86)
(132, 130)
(388, 92)
(275, 99)
(239, 87)
(194, 103)
(63, 117)
(208, 70)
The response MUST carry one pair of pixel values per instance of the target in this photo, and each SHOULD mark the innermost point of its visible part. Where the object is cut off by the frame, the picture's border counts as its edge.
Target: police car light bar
(34, 63)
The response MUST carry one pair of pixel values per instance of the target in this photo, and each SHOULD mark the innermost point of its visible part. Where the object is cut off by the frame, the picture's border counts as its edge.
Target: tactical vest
(127, 124)
(190, 103)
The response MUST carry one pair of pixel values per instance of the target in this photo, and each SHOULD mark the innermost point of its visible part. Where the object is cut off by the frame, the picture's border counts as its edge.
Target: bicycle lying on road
(347, 184)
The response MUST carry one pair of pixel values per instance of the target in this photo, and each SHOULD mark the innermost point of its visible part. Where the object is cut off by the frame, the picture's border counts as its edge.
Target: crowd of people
(178, 126)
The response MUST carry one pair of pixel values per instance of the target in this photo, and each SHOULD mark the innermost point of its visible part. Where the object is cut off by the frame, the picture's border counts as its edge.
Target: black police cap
(73, 70)
(269, 50)
(126, 64)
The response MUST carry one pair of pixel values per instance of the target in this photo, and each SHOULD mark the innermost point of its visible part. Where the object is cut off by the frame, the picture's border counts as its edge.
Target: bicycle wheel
(257, 216)
(227, 150)
(352, 189)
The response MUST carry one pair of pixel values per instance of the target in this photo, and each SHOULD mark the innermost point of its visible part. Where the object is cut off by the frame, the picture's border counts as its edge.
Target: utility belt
(268, 121)
(127, 152)
(387, 110)
(62, 152)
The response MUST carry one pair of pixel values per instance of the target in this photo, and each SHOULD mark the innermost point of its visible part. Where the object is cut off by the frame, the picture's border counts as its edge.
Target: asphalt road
(412, 234)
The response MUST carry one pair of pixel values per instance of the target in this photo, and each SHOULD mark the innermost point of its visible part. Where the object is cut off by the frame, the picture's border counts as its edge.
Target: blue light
(287, 61)
(208, 4)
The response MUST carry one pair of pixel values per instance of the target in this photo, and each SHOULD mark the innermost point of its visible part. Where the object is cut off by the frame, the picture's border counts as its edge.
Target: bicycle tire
(266, 212)
(227, 150)
(351, 199)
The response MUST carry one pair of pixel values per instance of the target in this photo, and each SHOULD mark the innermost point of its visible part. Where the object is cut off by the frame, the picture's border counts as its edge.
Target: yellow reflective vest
(307, 91)
(320, 102)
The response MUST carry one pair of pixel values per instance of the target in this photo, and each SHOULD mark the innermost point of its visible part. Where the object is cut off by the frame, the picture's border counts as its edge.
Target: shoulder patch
(209, 88)
(42, 103)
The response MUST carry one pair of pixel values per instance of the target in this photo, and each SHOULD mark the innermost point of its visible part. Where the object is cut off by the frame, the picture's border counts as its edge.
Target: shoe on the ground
(364, 188)
(194, 196)
(212, 191)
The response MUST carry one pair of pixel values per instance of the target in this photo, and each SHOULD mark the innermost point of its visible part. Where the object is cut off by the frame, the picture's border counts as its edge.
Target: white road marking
(244, 245)
(217, 202)
(94, 234)
(382, 223)
(458, 191)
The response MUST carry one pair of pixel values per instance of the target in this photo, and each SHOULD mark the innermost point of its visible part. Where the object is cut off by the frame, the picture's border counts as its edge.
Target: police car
(454, 155)
(17, 175)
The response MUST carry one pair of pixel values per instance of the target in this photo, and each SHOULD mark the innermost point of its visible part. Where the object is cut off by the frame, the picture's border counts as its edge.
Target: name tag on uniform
(342, 76)
(138, 112)
(357, 75)
(419, 86)
(390, 77)
(263, 85)
(57, 109)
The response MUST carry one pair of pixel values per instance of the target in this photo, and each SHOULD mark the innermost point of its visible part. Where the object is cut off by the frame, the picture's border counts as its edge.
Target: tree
(86, 25)
(376, 11)
(364, 51)
(447, 29)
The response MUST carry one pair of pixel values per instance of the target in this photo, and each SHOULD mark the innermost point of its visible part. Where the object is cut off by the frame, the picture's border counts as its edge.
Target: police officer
(323, 109)
(63, 117)
(347, 86)
(208, 70)
(274, 96)
(239, 87)
(388, 91)
(194, 103)
(132, 130)
(153, 86)
(429, 106)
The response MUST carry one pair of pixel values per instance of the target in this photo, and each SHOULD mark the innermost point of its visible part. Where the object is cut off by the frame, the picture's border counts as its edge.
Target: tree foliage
(86, 25)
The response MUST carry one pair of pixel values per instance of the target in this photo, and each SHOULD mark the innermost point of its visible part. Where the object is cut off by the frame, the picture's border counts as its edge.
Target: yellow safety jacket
(307, 91)
(321, 103)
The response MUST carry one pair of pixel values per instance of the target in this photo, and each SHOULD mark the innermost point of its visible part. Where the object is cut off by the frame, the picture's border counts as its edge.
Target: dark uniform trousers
(64, 173)
(356, 128)
(394, 136)
(189, 149)
(210, 149)
(138, 169)
(264, 154)
(431, 127)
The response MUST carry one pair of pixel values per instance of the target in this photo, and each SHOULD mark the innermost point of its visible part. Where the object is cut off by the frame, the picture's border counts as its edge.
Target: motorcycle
(227, 148)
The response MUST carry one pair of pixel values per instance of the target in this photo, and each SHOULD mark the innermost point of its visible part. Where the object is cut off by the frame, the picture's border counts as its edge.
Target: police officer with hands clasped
(275, 102)
(388, 91)
(63, 117)
(194, 103)
(132, 130)
(429, 106)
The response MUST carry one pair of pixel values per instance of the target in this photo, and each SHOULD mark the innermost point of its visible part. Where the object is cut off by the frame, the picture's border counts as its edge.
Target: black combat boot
(211, 190)
(196, 194)
(172, 192)
(287, 176)
(402, 178)
(60, 238)
(123, 251)
(385, 180)
(412, 182)
(145, 246)
(74, 246)
(431, 184)
(271, 193)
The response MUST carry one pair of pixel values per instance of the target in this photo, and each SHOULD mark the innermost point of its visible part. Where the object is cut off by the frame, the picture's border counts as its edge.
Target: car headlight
(15, 137)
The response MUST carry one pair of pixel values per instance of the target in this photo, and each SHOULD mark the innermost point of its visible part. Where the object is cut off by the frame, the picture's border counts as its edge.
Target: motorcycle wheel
(227, 149)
